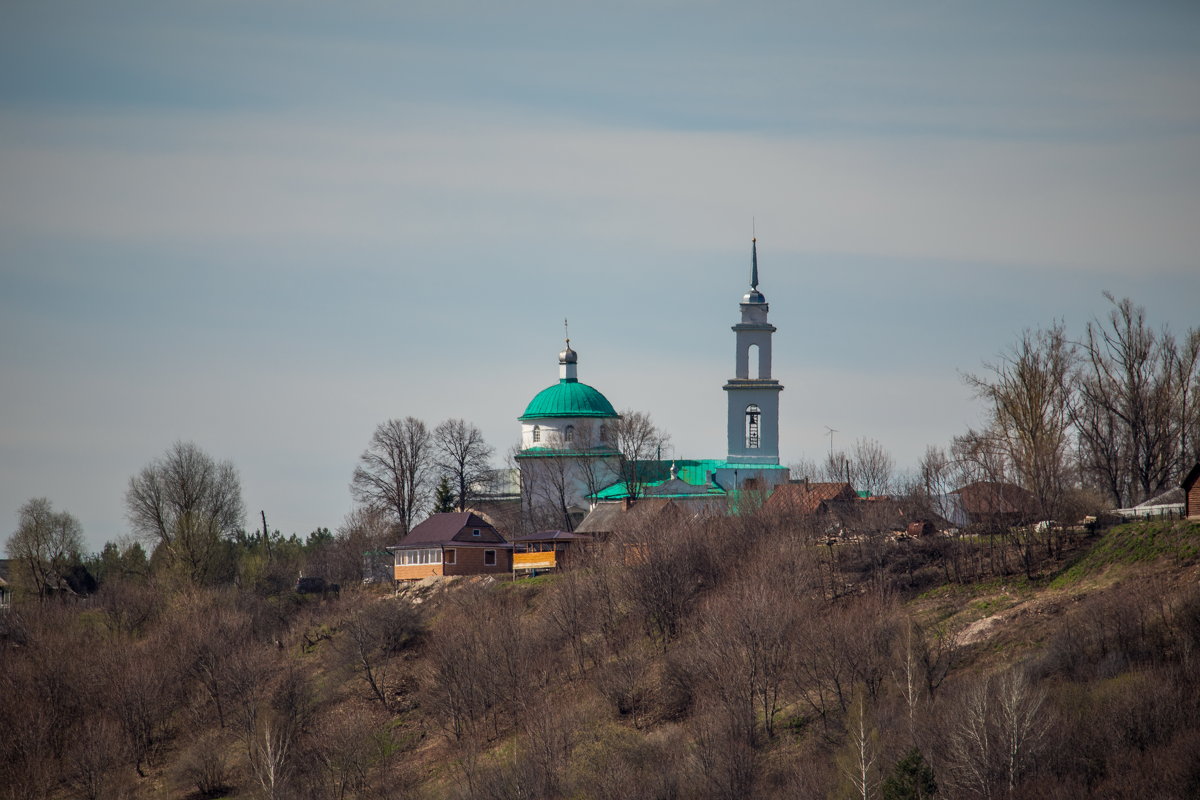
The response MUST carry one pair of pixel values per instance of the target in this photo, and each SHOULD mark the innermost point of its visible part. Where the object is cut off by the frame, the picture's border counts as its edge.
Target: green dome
(568, 398)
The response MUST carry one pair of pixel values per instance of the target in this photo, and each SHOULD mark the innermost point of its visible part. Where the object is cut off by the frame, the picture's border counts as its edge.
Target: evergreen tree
(443, 497)
(911, 779)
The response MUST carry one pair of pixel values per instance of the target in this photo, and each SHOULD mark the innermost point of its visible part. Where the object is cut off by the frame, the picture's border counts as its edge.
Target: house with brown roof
(989, 502)
(451, 544)
(804, 498)
(629, 515)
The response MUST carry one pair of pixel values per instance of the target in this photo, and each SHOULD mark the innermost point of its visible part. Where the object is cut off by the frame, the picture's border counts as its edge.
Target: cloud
(507, 179)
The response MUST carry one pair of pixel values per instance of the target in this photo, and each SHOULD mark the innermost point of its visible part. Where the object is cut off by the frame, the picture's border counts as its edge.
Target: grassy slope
(1000, 620)
(1004, 619)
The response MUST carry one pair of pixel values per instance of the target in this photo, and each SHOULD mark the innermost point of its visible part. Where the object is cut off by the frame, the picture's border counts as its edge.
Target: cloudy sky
(266, 227)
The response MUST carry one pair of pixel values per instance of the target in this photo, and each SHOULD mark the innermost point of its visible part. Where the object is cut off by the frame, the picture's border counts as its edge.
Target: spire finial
(566, 332)
(754, 262)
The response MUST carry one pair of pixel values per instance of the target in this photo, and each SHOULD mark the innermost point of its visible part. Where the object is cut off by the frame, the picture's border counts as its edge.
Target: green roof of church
(568, 398)
(656, 473)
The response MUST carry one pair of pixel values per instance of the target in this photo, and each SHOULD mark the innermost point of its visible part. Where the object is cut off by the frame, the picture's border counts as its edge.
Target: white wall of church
(585, 433)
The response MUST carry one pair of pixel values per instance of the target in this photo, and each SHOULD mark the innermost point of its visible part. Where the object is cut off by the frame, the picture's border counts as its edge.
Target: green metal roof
(568, 398)
(655, 473)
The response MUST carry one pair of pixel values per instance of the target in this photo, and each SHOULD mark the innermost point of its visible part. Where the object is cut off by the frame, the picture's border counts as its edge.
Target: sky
(267, 227)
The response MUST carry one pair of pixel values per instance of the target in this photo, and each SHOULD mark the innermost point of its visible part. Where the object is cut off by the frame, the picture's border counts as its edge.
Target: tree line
(1104, 419)
(716, 659)
(1115, 412)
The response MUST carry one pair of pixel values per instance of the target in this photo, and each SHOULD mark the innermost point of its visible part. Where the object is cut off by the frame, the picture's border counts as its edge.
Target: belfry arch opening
(753, 364)
(753, 421)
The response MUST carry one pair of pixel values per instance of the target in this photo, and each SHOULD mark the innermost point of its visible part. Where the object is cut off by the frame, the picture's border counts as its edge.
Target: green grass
(1016, 585)
(1135, 543)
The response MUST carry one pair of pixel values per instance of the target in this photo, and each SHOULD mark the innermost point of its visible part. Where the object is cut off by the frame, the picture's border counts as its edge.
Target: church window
(604, 434)
(537, 433)
(753, 413)
(569, 434)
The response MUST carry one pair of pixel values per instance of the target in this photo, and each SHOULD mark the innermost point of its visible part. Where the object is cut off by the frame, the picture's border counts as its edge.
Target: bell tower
(753, 424)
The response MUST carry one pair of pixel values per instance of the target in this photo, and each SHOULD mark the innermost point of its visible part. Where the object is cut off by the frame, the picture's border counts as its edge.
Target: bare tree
(638, 440)
(595, 462)
(185, 502)
(272, 729)
(1030, 412)
(463, 457)
(746, 649)
(1187, 384)
(804, 468)
(395, 472)
(372, 635)
(908, 676)
(45, 544)
(1136, 388)
(552, 481)
(933, 481)
(836, 467)
(999, 727)
(871, 467)
(859, 762)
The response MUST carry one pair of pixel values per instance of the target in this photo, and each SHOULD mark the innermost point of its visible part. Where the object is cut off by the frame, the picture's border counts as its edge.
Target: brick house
(451, 544)
(1191, 493)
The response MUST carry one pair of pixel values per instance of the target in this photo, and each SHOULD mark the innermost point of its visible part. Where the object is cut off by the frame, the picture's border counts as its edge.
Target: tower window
(604, 434)
(569, 434)
(753, 413)
(537, 433)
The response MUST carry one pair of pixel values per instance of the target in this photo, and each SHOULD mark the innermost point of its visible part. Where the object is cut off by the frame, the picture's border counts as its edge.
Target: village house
(1191, 493)
(805, 498)
(988, 503)
(451, 544)
(627, 515)
(540, 552)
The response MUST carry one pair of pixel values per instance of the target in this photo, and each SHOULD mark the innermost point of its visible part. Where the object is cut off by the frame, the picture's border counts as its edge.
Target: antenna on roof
(831, 432)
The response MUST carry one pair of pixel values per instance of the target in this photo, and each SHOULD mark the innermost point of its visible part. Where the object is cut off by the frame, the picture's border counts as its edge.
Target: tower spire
(754, 262)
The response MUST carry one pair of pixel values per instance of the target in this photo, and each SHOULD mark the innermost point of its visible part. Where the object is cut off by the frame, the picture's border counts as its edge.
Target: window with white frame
(415, 556)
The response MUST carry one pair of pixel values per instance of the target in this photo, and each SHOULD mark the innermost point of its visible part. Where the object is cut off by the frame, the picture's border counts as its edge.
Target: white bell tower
(753, 431)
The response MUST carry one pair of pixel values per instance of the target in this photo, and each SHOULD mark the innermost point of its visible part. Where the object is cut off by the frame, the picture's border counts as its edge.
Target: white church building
(568, 457)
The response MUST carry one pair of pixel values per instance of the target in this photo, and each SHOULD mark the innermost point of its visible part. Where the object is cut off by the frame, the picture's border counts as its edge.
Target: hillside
(731, 660)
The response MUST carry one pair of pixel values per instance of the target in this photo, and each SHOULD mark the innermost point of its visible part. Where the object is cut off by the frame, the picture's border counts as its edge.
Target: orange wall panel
(415, 572)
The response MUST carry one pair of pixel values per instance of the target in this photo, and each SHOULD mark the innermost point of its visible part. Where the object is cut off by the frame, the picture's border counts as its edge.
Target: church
(571, 460)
